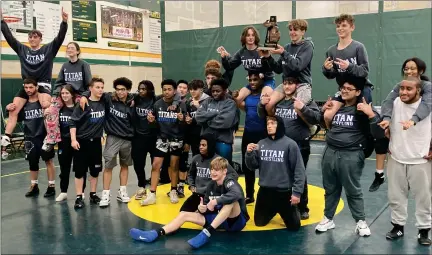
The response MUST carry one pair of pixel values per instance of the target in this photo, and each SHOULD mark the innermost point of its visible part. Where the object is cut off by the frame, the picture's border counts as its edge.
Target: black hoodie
(199, 172)
(279, 162)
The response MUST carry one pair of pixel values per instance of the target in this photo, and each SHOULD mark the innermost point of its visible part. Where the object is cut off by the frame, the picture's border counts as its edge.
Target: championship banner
(121, 24)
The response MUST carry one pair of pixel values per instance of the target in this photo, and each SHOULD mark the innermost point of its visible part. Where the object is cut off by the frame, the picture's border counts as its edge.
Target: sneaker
(249, 200)
(173, 196)
(123, 196)
(50, 191)
(149, 200)
(61, 197)
(140, 193)
(304, 215)
(362, 228)
(143, 236)
(423, 238)
(4, 154)
(79, 203)
(105, 200)
(33, 191)
(396, 233)
(5, 141)
(180, 191)
(379, 179)
(324, 225)
(198, 241)
(94, 199)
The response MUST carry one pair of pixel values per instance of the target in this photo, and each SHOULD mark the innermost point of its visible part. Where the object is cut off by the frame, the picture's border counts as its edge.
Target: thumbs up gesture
(366, 108)
(188, 119)
(298, 104)
(201, 207)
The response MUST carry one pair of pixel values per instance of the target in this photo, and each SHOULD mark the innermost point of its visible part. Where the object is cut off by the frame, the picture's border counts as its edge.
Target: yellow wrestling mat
(163, 211)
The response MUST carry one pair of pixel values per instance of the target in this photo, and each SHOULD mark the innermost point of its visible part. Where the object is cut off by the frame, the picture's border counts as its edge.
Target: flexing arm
(361, 69)
(226, 116)
(10, 39)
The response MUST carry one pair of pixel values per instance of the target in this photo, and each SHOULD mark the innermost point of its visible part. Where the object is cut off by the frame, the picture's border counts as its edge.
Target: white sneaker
(362, 228)
(149, 200)
(105, 199)
(5, 141)
(123, 196)
(140, 194)
(173, 196)
(62, 197)
(324, 225)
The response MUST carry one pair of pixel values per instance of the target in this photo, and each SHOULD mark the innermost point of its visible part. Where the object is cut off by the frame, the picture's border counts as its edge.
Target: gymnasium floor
(40, 225)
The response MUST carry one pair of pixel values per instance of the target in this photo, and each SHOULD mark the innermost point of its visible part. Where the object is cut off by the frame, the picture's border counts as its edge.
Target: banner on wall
(121, 24)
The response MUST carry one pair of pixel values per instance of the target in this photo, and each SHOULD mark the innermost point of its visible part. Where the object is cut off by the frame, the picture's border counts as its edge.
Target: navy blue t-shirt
(253, 122)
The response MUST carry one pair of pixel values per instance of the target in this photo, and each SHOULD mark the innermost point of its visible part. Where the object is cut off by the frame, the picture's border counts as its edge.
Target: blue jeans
(224, 150)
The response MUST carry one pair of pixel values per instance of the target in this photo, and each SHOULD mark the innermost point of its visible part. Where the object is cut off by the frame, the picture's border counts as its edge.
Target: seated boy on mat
(222, 207)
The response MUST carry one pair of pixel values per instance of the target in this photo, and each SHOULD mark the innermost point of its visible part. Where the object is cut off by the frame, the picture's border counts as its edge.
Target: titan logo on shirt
(35, 59)
(118, 113)
(33, 114)
(341, 119)
(143, 112)
(97, 116)
(351, 60)
(77, 76)
(167, 116)
(192, 114)
(251, 63)
(286, 113)
(203, 172)
(64, 119)
(272, 155)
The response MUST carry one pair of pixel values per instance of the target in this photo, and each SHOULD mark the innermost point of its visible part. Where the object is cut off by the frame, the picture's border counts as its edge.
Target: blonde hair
(219, 163)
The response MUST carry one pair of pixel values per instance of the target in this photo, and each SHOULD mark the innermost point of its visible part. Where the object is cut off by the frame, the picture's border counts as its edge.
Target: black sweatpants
(305, 152)
(141, 146)
(65, 155)
(191, 203)
(269, 202)
(249, 137)
(88, 157)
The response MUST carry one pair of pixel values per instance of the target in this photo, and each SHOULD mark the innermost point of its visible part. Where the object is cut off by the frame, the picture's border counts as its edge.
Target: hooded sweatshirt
(193, 130)
(218, 117)
(199, 172)
(142, 107)
(251, 61)
(279, 162)
(295, 61)
(77, 74)
(36, 64)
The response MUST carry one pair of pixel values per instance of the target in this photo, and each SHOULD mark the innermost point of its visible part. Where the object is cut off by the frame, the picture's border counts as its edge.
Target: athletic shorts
(235, 224)
(33, 150)
(115, 145)
(43, 87)
(88, 157)
(168, 146)
(382, 145)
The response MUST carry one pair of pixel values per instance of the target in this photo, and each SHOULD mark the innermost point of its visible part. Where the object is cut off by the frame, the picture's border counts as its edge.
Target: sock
(51, 183)
(79, 196)
(160, 232)
(8, 135)
(92, 194)
(34, 182)
(123, 188)
(380, 171)
(153, 191)
(210, 230)
(173, 188)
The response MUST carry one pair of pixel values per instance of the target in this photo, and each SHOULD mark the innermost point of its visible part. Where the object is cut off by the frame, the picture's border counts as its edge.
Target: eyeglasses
(347, 89)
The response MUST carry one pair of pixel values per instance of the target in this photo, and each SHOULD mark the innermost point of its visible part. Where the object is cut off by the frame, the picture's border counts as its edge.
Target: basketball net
(12, 22)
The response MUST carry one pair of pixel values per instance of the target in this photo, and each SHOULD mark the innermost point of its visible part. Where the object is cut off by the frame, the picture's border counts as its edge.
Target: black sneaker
(79, 203)
(34, 191)
(379, 179)
(396, 233)
(94, 199)
(304, 215)
(50, 191)
(180, 191)
(249, 200)
(423, 238)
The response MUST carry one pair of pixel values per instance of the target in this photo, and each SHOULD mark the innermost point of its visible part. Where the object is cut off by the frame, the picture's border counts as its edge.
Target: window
(187, 15)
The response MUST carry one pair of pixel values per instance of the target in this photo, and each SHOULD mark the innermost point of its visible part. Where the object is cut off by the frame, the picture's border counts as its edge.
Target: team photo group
(93, 131)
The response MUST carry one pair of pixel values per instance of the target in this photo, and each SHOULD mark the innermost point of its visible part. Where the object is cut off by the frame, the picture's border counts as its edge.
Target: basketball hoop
(12, 22)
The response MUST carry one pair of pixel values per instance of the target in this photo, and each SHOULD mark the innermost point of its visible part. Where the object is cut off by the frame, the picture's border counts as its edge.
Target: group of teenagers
(202, 117)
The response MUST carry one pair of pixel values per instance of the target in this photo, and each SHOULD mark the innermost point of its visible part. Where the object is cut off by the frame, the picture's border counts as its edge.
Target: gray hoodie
(279, 162)
(77, 74)
(295, 61)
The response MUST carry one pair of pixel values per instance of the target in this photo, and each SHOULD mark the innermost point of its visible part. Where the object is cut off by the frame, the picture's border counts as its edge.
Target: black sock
(8, 135)
(160, 232)
(79, 196)
(173, 188)
(210, 229)
(153, 191)
(92, 194)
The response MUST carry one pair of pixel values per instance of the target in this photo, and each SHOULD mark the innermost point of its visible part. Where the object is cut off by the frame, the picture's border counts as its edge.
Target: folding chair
(17, 139)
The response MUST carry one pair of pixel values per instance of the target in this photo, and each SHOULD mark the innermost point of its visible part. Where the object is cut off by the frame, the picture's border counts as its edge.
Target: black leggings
(305, 152)
(141, 145)
(66, 154)
(249, 137)
(269, 202)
